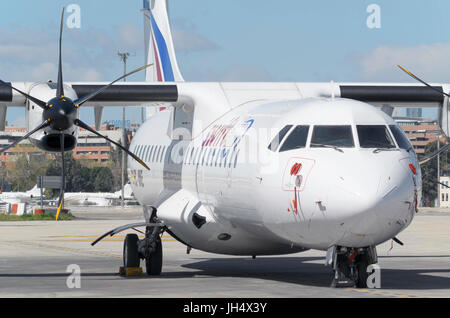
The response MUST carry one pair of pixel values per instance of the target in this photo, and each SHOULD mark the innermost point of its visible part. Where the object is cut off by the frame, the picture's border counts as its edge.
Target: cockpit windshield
(399, 135)
(374, 136)
(279, 137)
(338, 136)
(296, 139)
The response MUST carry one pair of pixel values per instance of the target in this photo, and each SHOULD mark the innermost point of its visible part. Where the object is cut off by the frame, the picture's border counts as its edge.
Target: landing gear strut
(150, 248)
(350, 266)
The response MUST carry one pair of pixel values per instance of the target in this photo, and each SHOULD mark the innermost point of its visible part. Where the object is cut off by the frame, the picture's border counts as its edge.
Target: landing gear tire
(342, 273)
(153, 263)
(350, 266)
(130, 251)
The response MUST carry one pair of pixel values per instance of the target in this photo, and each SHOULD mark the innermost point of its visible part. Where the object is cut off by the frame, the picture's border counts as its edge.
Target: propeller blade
(60, 87)
(41, 126)
(434, 154)
(61, 191)
(443, 184)
(80, 101)
(81, 124)
(33, 99)
(421, 81)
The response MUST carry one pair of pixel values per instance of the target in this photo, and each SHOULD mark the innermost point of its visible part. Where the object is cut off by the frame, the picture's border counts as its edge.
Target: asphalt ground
(35, 260)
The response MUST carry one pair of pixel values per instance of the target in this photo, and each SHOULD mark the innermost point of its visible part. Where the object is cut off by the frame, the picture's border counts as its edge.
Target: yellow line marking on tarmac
(380, 292)
(67, 249)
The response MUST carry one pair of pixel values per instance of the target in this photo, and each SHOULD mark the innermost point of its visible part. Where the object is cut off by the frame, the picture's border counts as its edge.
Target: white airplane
(18, 197)
(250, 168)
(98, 198)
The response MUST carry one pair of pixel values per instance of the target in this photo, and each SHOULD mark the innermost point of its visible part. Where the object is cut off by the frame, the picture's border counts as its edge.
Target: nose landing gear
(151, 250)
(350, 266)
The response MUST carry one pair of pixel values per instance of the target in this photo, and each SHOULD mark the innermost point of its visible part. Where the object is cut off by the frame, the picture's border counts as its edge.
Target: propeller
(60, 114)
(63, 178)
(433, 154)
(445, 147)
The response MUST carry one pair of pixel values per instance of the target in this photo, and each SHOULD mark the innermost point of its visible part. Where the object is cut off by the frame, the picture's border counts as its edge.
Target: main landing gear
(350, 266)
(149, 248)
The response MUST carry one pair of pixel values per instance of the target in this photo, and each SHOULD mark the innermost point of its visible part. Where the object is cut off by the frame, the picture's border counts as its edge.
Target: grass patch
(32, 217)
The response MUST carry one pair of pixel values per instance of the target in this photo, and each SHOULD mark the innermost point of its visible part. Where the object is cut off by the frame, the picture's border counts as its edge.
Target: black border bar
(130, 93)
(392, 93)
(6, 93)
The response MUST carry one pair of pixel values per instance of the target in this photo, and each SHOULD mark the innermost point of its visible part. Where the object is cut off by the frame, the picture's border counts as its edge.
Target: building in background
(420, 132)
(444, 191)
(414, 113)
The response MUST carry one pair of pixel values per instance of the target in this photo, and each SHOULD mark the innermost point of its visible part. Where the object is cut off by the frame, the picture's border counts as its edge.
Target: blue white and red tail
(159, 47)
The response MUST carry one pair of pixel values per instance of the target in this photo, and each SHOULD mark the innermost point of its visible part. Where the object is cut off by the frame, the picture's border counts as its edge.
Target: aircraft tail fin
(35, 191)
(127, 191)
(159, 46)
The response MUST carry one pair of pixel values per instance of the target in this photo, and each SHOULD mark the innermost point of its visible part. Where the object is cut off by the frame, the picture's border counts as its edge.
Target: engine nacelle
(48, 139)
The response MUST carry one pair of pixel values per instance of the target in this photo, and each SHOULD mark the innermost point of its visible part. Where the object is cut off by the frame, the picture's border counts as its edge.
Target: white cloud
(130, 37)
(429, 62)
(88, 54)
(233, 73)
(186, 38)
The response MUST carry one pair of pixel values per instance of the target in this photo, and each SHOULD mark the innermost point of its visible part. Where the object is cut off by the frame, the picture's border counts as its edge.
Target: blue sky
(231, 40)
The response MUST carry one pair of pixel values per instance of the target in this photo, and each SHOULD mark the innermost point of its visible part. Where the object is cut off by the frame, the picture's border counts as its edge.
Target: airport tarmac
(34, 257)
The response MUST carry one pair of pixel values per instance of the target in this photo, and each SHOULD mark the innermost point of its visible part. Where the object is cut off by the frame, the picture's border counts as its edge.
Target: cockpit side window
(339, 136)
(400, 137)
(279, 137)
(296, 139)
(374, 136)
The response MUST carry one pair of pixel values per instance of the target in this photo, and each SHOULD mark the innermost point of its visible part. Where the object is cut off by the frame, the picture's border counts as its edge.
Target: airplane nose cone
(379, 207)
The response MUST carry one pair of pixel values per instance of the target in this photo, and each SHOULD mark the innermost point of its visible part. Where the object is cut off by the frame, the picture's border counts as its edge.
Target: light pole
(123, 57)
(438, 172)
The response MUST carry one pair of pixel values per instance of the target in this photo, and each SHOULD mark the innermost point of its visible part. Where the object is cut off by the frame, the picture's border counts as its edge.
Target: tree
(116, 166)
(22, 170)
(82, 178)
(104, 179)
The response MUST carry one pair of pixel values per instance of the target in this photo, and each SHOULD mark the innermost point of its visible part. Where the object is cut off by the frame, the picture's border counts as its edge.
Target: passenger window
(136, 152)
(339, 136)
(212, 157)
(152, 148)
(157, 154)
(374, 136)
(203, 154)
(154, 154)
(235, 159)
(400, 137)
(278, 138)
(162, 154)
(296, 139)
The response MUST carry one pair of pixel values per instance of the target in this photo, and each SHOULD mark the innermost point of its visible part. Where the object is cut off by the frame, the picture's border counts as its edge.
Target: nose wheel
(148, 249)
(350, 266)
(131, 257)
(153, 259)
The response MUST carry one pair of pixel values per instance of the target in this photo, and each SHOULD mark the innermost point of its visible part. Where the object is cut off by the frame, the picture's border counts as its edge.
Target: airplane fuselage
(233, 190)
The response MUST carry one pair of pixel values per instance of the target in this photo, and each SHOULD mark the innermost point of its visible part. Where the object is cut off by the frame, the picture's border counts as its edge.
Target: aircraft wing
(216, 98)
(143, 93)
